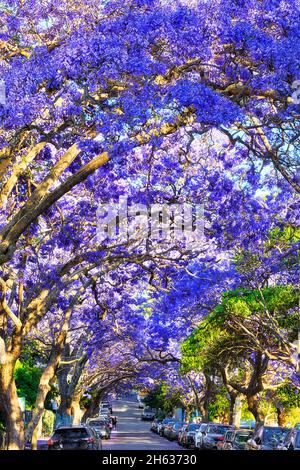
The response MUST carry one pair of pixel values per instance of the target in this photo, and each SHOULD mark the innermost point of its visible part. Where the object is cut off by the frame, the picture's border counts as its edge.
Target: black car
(291, 440)
(266, 438)
(74, 438)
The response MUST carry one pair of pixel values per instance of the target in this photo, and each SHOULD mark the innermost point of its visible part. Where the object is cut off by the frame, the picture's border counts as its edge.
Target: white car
(199, 436)
(148, 414)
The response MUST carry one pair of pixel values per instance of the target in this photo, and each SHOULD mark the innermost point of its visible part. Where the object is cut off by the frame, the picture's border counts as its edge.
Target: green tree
(27, 378)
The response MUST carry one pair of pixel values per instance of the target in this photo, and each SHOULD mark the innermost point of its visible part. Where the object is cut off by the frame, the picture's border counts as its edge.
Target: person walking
(114, 422)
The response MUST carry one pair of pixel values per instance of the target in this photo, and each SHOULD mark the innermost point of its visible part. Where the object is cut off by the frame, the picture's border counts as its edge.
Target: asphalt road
(132, 433)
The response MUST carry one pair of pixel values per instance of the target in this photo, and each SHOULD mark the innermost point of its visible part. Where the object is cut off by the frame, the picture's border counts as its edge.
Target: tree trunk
(93, 408)
(37, 432)
(237, 412)
(253, 406)
(281, 416)
(10, 407)
(202, 411)
(232, 400)
(65, 405)
(32, 433)
(76, 410)
(207, 397)
(48, 374)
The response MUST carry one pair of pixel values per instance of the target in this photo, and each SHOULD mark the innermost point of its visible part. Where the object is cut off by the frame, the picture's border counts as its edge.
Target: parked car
(174, 431)
(181, 433)
(214, 433)
(154, 425)
(199, 435)
(291, 440)
(105, 411)
(167, 428)
(161, 426)
(188, 436)
(104, 417)
(247, 424)
(235, 439)
(266, 438)
(74, 438)
(101, 426)
(148, 414)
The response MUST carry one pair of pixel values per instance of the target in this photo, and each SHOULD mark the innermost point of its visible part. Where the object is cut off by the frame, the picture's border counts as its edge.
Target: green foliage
(48, 421)
(222, 339)
(289, 396)
(293, 416)
(27, 378)
(164, 398)
(215, 332)
(219, 406)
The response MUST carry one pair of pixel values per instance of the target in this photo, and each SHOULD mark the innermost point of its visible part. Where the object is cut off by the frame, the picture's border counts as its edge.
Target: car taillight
(90, 440)
(220, 438)
(51, 442)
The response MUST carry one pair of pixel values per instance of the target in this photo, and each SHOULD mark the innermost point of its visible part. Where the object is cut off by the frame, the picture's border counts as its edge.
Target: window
(229, 436)
(215, 429)
(193, 427)
(72, 433)
(270, 435)
(242, 438)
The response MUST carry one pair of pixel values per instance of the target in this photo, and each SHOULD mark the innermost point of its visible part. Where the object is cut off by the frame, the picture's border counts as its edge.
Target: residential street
(132, 433)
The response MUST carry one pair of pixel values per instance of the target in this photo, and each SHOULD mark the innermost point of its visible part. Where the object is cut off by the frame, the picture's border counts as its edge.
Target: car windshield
(229, 436)
(242, 438)
(271, 434)
(194, 427)
(97, 423)
(203, 427)
(178, 425)
(214, 429)
(72, 433)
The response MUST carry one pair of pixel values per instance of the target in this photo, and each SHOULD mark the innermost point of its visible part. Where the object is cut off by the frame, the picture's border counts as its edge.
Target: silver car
(214, 434)
(100, 426)
(266, 438)
(199, 435)
(291, 440)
